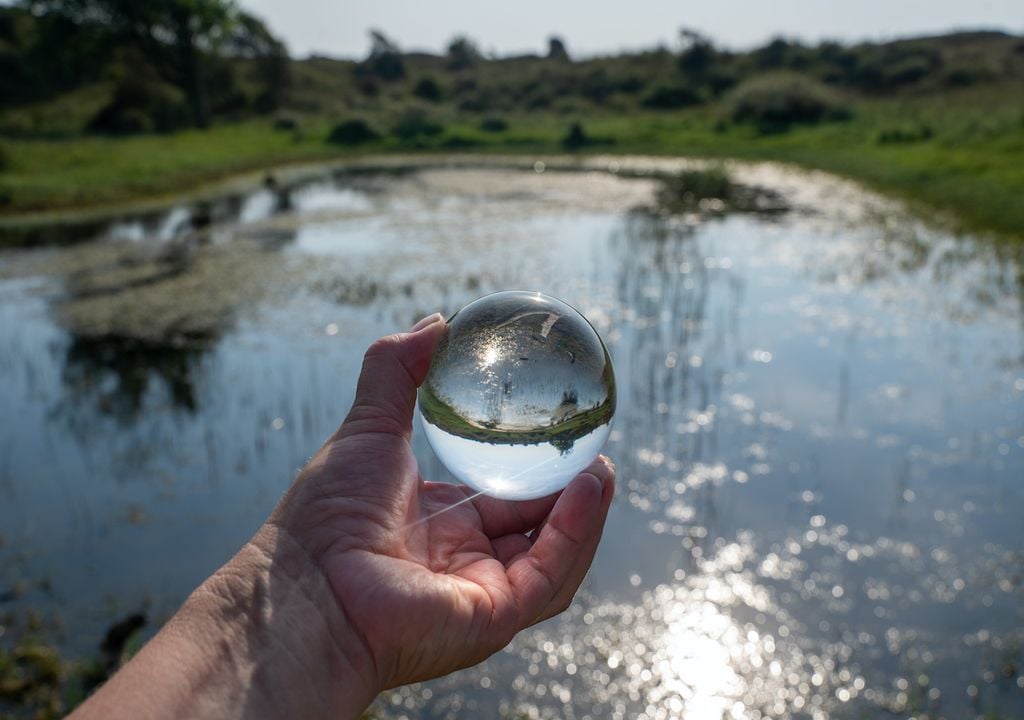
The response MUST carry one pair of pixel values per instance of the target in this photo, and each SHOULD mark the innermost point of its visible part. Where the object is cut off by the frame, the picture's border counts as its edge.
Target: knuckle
(381, 347)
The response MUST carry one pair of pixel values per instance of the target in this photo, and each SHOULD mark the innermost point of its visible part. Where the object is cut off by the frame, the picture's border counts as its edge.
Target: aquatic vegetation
(711, 189)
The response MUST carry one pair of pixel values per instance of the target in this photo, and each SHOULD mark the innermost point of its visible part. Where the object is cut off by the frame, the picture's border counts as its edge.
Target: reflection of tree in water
(115, 375)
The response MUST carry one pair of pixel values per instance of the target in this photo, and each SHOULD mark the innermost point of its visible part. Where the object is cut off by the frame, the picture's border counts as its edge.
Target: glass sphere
(520, 395)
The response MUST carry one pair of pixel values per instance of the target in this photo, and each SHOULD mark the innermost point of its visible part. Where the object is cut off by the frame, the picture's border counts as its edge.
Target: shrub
(905, 134)
(968, 75)
(777, 101)
(368, 86)
(493, 124)
(414, 125)
(143, 103)
(355, 131)
(5, 159)
(575, 138)
(459, 142)
(286, 123)
(671, 97)
(428, 89)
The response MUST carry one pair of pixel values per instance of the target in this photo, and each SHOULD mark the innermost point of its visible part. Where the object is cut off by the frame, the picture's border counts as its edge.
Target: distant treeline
(163, 65)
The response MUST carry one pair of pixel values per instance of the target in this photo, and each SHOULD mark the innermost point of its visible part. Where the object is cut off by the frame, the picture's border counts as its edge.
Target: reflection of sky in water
(819, 440)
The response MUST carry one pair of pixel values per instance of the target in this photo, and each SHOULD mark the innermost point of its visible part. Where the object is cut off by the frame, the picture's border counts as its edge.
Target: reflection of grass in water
(562, 435)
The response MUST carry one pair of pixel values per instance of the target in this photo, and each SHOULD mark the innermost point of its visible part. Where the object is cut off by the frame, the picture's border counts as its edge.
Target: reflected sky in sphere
(520, 395)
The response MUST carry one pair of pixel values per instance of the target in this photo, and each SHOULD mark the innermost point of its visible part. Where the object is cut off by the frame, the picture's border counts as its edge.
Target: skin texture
(355, 585)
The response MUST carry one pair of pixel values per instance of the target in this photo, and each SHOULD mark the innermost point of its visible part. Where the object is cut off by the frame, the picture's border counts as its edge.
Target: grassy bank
(959, 154)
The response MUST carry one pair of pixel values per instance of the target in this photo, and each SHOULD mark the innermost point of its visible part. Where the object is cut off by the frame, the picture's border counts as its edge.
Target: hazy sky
(595, 26)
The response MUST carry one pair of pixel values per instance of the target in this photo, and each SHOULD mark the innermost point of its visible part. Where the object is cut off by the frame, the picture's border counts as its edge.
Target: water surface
(819, 435)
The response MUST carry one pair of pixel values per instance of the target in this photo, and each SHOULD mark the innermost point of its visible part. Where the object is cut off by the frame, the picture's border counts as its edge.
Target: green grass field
(961, 154)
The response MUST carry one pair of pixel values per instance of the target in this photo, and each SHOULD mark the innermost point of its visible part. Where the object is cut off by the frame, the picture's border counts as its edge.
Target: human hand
(365, 576)
(430, 577)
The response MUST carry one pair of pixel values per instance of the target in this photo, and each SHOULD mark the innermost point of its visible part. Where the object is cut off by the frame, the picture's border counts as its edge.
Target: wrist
(263, 637)
(272, 619)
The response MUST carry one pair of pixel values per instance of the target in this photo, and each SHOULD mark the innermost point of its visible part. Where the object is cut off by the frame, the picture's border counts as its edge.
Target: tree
(174, 35)
(41, 55)
(250, 38)
(698, 54)
(428, 89)
(462, 53)
(385, 59)
(557, 49)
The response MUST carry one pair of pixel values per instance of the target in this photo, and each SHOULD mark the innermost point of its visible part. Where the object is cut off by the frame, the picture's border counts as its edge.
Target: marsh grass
(968, 166)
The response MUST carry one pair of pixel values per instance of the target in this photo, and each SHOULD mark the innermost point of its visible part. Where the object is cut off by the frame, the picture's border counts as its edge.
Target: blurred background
(798, 228)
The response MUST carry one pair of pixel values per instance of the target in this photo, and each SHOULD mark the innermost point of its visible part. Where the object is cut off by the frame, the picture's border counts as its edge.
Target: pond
(819, 437)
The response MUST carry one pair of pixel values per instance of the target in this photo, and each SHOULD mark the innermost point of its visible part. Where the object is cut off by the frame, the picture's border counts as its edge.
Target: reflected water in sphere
(520, 395)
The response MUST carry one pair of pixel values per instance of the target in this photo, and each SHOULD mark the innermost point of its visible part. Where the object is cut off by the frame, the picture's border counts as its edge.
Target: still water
(819, 434)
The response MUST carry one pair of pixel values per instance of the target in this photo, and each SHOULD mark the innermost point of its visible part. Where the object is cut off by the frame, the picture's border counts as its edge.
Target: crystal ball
(519, 396)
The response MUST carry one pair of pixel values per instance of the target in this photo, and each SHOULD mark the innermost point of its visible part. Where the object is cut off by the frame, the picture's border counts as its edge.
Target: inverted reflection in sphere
(520, 395)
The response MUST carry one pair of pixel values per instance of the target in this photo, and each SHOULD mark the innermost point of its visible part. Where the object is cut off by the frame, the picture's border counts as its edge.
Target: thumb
(393, 368)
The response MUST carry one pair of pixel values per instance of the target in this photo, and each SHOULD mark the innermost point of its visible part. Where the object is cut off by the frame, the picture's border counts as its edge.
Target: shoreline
(618, 161)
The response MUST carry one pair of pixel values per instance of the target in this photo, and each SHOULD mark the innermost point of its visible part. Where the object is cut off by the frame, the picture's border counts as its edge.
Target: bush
(286, 123)
(671, 97)
(777, 101)
(905, 134)
(143, 103)
(428, 89)
(577, 138)
(5, 159)
(355, 131)
(493, 124)
(968, 75)
(459, 142)
(414, 125)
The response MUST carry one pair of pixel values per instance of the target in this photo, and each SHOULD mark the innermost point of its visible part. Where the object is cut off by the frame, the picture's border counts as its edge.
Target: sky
(593, 27)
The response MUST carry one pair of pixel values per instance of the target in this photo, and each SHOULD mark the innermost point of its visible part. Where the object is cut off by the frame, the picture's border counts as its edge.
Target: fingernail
(428, 320)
